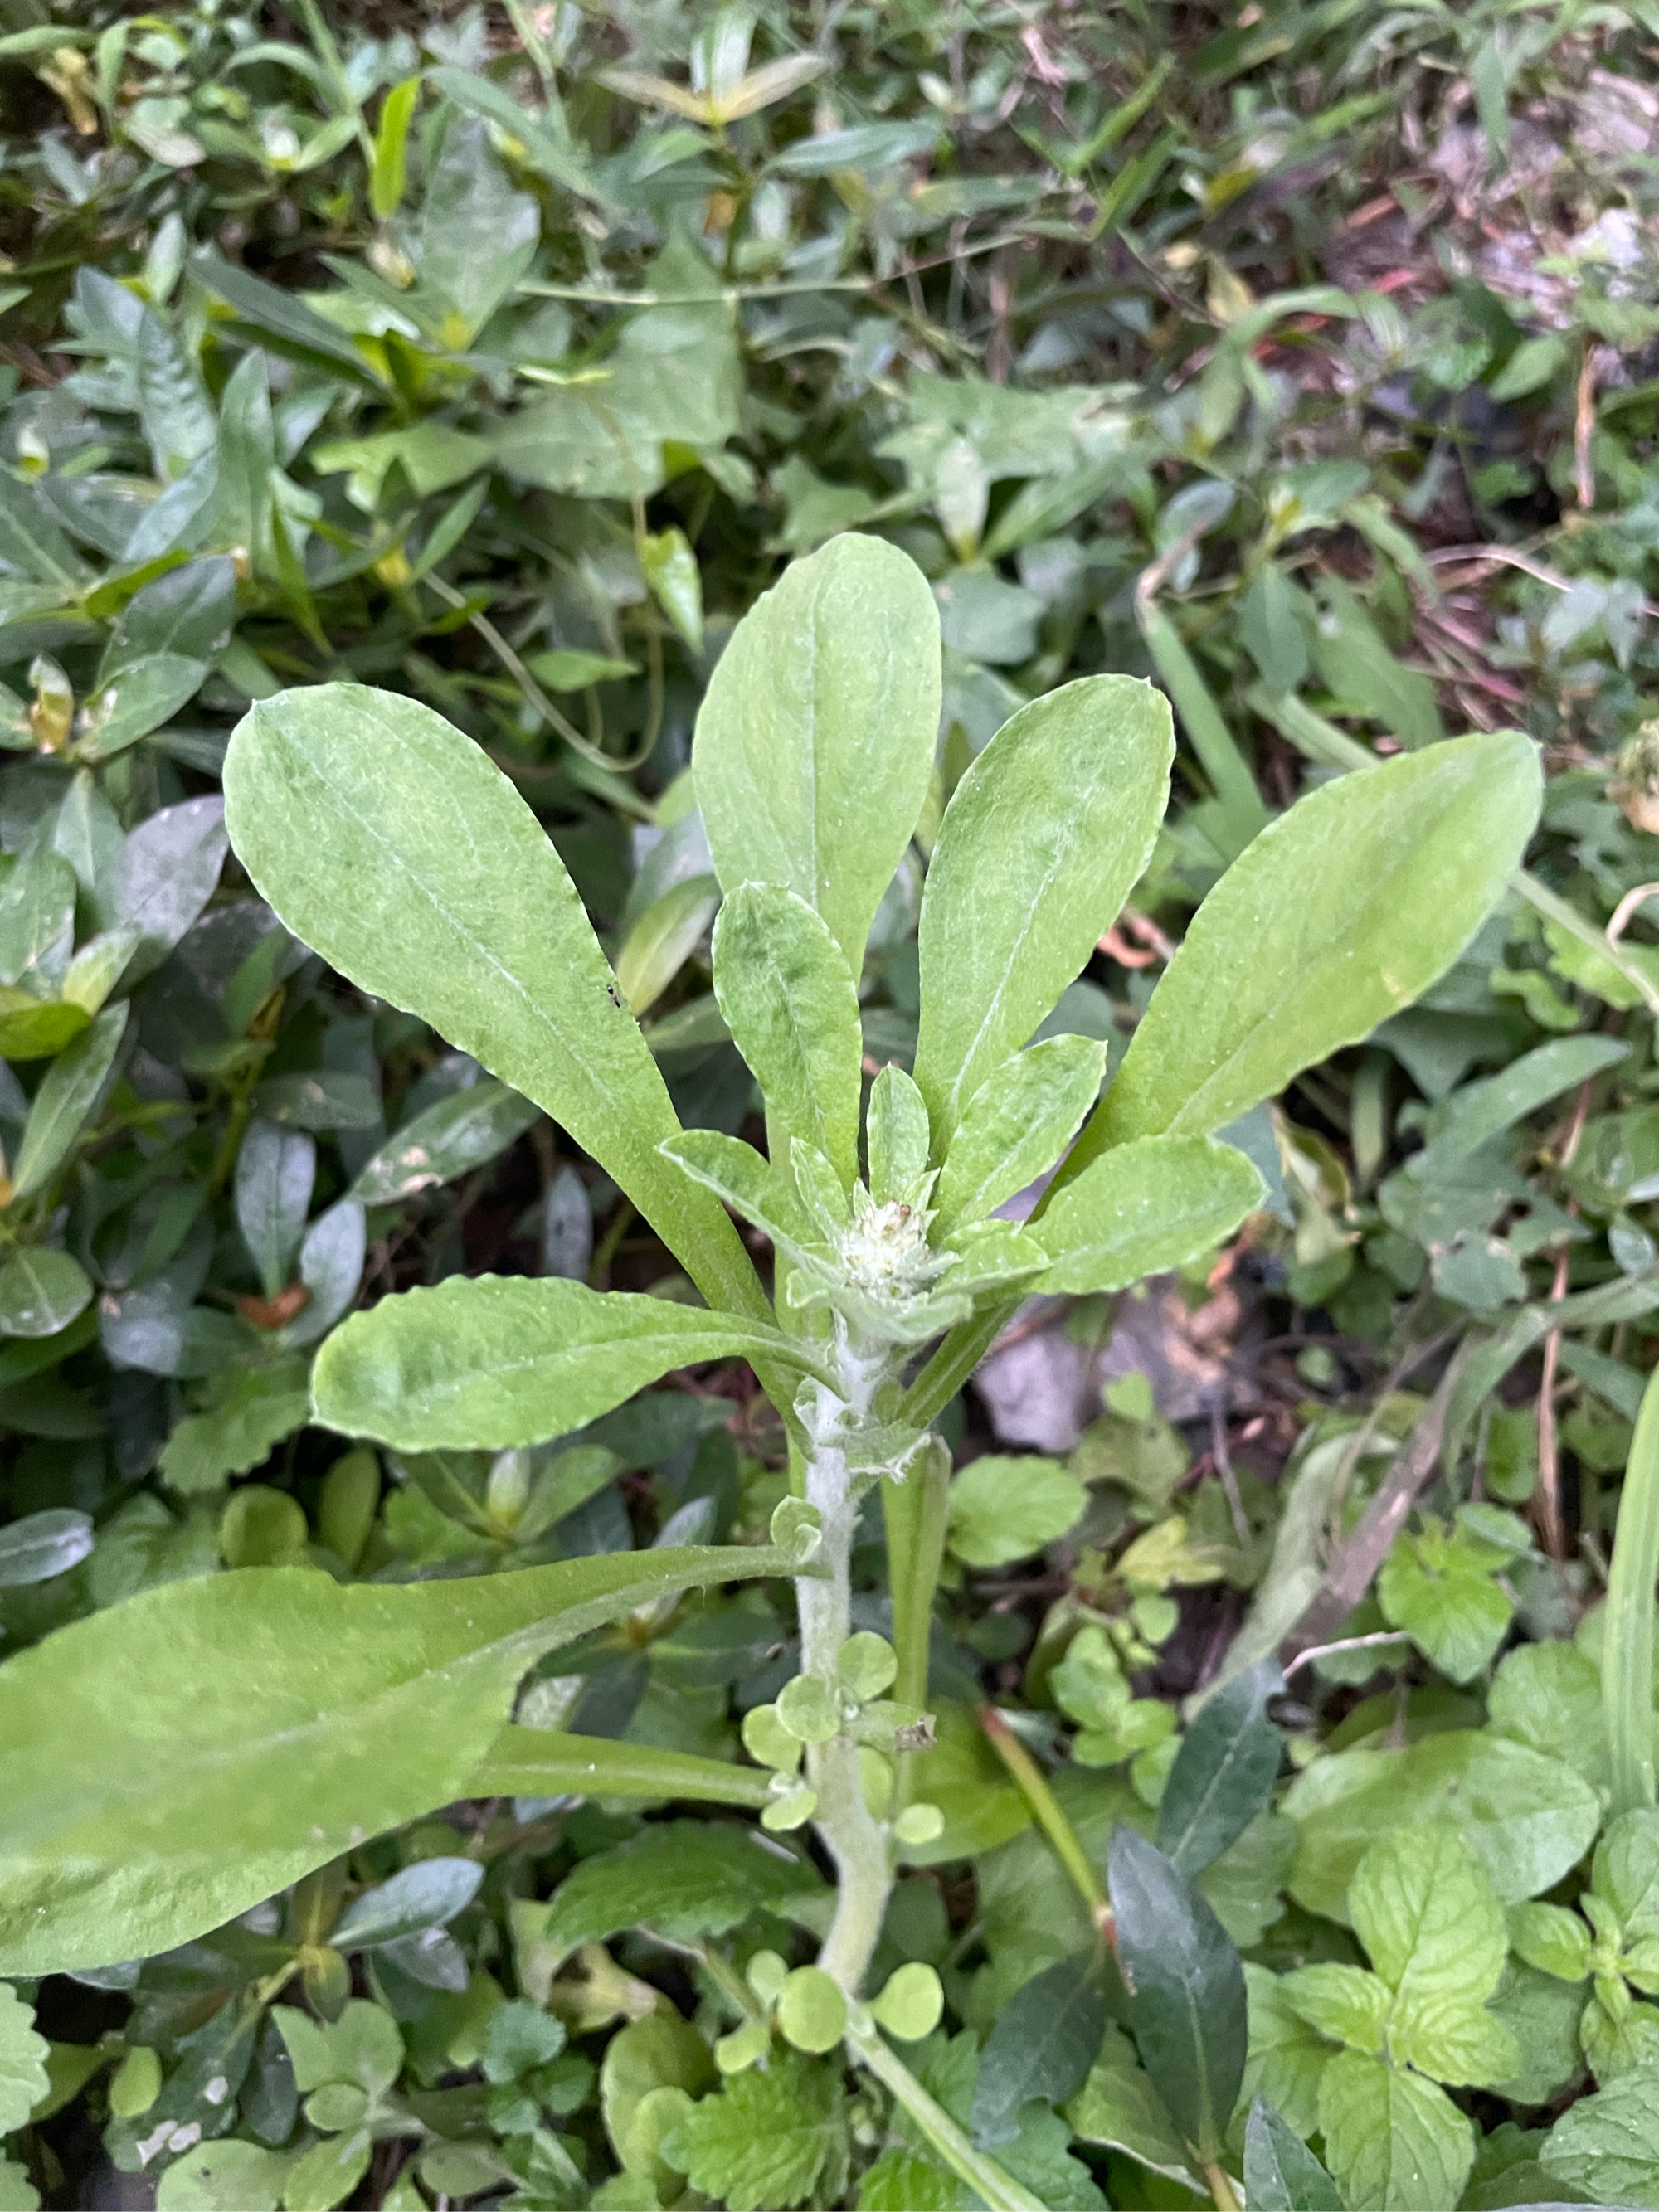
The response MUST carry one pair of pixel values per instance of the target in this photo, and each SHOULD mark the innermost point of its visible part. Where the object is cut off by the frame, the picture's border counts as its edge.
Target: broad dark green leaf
(42, 1545)
(275, 1171)
(281, 317)
(1142, 1208)
(166, 875)
(41, 1291)
(1281, 2174)
(1042, 2046)
(137, 700)
(1335, 917)
(427, 1894)
(682, 1878)
(390, 844)
(1043, 840)
(1021, 1121)
(1225, 1772)
(492, 1361)
(1186, 2008)
(792, 1006)
(170, 1761)
(815, 743)
(465, 1131)
(68, 1094)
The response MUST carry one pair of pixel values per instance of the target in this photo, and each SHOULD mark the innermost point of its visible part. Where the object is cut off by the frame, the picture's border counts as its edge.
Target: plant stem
(999, 2191)
(856, 1840)
(1627, 1650)
(954, 1362)
(1033, 1785)
(1223, 2195)
(914, 1512)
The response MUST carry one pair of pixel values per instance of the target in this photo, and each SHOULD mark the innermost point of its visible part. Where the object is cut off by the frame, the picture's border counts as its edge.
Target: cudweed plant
(270, 1718)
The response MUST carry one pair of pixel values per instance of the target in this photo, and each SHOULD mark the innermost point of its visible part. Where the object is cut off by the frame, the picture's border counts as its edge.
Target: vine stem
(1627, 1651)
(999, 2190)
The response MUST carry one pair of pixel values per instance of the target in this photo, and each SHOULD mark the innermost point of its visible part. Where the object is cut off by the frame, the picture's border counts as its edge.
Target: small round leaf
(812, 2010)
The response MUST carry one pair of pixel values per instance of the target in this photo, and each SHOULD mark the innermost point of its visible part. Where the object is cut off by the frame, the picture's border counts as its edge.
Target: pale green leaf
(815, 743)
(896, 1136)
(251, 1410)
(213, 2175)
(1118, 2107)
(1457, 1620)
(1043, 840)
(490, 1362)
(763, 2143)
(391, 844)
(1607, 2145)
(1003, 1510)
(663, 939)
(1394, 2142)
(1019, 1122)
(1344, 2003)
(1423, 1905)
(266, 1721)
(1528, 1819)
(1286, 2056)
(23, 2079)
(1142, 1208)
(1453, 2039)
(17, 2192)
(1335, 917)
(1550, 1938)
(790, 1002)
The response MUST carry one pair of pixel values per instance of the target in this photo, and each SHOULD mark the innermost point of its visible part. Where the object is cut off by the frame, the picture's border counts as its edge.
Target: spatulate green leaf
(1335, 917)
(1021, 1121)
(1042, 841)
(388, 842)
(1144, 1207)
(815, 743)
(264, 1721)
(792, 1006)
(490, 1362)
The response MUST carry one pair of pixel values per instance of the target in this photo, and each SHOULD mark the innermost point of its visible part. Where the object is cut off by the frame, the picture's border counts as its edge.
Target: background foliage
(1303, 357)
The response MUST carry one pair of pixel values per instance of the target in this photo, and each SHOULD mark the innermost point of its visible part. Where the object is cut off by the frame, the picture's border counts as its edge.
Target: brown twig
(1583, 433)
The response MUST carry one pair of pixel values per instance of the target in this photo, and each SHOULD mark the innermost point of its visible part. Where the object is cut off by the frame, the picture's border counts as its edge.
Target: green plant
(389, 844)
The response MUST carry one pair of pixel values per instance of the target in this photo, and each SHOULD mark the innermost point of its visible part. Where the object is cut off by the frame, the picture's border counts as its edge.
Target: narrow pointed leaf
(1281, 2174)
(527, 1762)
(1020, 1122)
(390, 844)
(1225, 1772)
(68, 1093)
(492, 1361)
(1187, 2006)
(1043, 840)
(792, 1006)
(266, 1721)
(815, 743)
(1142, 1209)
(1340, 914)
